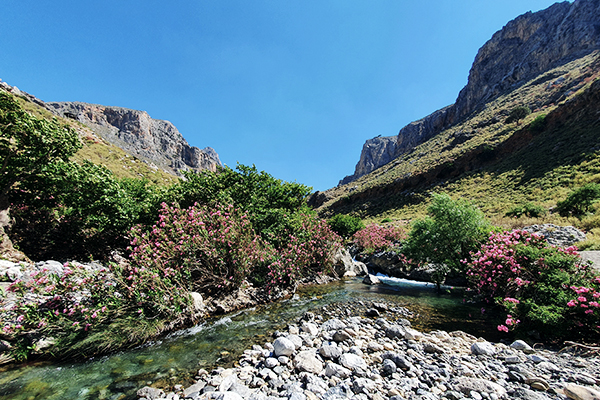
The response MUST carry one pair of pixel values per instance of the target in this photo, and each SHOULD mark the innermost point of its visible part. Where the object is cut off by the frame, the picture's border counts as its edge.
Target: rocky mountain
(154, 141)
(526, 47)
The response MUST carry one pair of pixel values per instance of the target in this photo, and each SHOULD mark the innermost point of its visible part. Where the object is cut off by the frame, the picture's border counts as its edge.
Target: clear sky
(292, 86)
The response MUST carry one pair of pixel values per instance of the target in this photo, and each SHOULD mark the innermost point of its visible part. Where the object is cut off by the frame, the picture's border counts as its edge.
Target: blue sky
(294, 87)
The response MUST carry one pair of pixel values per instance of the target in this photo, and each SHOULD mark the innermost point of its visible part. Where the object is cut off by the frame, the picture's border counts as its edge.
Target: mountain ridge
(158, 143)
(525, 47)
(153, 140)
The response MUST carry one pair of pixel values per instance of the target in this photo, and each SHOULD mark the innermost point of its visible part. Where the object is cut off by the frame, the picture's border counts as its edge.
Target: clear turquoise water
(176, 358)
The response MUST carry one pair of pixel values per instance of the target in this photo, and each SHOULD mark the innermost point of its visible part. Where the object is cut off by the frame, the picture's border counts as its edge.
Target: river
(219, 341)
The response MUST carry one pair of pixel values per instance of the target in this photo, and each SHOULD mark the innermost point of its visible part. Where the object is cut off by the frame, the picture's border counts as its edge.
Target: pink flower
(502, 328)
(572, 303)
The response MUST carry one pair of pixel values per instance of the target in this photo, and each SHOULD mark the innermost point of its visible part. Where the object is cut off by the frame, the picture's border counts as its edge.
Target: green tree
(452, 229)
(74, 210)
(28, 143)
(517, 114)
(270, 203)
(345, 225)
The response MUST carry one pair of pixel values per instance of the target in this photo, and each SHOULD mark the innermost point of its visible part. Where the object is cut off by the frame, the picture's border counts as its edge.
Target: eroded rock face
(134, 131)
(526, 47)
(375, 153)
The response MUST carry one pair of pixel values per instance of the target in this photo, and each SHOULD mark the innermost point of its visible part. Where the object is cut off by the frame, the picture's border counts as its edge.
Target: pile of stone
(562, 236)
(375, 359)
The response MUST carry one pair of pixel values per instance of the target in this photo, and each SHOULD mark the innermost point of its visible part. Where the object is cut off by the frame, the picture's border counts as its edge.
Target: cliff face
(526, 47)
(529, 45)
(152, 140)
(381, 149)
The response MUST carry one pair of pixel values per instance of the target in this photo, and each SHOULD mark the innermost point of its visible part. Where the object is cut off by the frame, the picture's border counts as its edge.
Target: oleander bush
(544, 289)
(376, 238)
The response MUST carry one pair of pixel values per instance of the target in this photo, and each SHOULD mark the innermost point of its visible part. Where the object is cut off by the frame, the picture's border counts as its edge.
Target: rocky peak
(381, 149)
(526, 47)
(155, 141)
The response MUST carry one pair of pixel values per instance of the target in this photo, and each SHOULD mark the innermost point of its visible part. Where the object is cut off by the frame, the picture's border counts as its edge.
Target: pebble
(360, 358)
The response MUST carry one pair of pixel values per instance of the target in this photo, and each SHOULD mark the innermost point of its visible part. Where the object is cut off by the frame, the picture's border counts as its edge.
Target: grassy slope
(99, 151)
(502, 164)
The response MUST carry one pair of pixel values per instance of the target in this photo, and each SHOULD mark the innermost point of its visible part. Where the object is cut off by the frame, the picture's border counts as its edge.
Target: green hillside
(494, 163)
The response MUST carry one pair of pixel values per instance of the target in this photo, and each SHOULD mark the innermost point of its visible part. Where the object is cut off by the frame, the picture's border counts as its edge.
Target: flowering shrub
(375, 237)
(198, 248)
(59, 306)
(541, 287)
(309, 250)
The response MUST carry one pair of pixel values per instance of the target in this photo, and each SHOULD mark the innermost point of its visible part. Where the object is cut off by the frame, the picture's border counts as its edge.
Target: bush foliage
(544, 289)
(580, 201)
(451, 231)
(528, 210)
(345, 225)
(376, 238)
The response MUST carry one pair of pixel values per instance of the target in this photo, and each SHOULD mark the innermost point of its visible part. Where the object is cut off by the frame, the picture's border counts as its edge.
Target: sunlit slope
(494, 163)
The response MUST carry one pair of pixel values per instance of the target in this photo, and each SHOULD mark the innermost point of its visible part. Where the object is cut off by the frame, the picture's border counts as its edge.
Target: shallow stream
(176, 358)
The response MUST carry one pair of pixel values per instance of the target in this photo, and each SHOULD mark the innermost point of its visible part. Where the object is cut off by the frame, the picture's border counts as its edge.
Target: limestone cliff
(155, 141)
(526, 47)
(376, 151)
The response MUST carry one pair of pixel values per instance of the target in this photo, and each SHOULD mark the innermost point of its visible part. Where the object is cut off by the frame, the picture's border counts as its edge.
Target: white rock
(333, 325)
(412, 334)
(226, 396)
(521, 345)
(271, 362)
(307, 361)
(577, 392)
(310, 328)
(352, 361)
(337, 370)
(197, 301)
(297, 340)
(283, 347)
(483, 348)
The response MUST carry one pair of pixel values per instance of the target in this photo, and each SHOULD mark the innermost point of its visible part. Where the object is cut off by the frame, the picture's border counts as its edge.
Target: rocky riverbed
(377, 355)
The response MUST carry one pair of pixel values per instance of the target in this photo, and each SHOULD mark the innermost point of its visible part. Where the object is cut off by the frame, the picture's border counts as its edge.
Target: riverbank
(333, 355)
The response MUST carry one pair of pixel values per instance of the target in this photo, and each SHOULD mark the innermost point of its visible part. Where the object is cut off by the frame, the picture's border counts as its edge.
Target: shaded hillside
(495, 163)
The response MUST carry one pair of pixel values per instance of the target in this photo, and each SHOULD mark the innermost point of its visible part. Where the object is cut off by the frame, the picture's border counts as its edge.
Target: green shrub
(28, 144)
(538, 124)
(451, 231)
(269, 202)
(72, 210)
(580, 201)
(542, 288)
(517, 114)
(528, 210)
(345, 225)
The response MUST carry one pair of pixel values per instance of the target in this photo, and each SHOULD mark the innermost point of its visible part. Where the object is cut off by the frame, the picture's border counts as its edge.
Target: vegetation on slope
(495, 164)
(209, 234)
